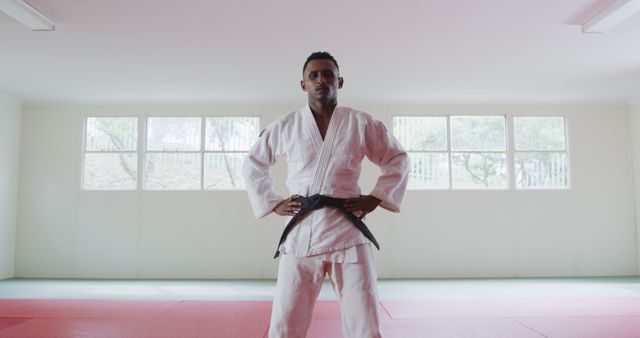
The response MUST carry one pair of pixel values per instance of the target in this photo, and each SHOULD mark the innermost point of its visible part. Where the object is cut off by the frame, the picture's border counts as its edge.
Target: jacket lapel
(323, 148)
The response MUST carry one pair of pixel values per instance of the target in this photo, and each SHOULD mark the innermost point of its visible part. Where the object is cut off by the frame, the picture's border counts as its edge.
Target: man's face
(321, 81)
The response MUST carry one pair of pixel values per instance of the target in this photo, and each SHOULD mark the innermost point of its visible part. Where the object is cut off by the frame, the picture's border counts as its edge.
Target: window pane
(478, 133)
(539, 133)
(541, 170)
(478, 170)
(223, 171)
(110, 171)
(421, 133)
(428, 171)
(173, 133)
(172, 171)
(112, 133)
(231, 133)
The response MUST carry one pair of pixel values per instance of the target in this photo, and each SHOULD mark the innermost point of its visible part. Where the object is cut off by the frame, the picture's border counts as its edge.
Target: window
(540, 153)
(458, 152)
(478, 152)
(110, 154)
(471, 152)
(180, 153)
(227, 140)
(173, 153)
(425, 139)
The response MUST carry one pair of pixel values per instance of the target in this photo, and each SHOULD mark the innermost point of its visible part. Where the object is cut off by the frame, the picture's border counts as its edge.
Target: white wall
(10, 122)
(635, 142)
(588, 230)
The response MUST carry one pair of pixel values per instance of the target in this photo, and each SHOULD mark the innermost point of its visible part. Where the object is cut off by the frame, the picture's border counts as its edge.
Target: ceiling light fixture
(27, 15)
(611, 16)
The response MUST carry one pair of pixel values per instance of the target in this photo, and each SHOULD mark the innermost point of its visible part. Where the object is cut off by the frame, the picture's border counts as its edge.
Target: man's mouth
(319, 89)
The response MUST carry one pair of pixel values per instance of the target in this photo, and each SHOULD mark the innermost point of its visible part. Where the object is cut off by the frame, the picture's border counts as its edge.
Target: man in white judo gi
(324, 145)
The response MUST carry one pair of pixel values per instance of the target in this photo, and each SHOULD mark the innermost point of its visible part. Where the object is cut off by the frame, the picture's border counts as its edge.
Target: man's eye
(327, 74)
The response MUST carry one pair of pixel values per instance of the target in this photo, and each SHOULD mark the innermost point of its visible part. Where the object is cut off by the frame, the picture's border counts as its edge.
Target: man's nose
(321, 79)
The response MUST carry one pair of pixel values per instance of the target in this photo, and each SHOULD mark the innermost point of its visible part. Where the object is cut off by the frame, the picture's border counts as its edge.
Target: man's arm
(385, 151)
(258, 179)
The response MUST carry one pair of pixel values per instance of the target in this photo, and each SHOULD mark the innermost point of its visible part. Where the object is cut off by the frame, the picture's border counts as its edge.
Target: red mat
(586, 327)
(512, 318)
(59, 308)
(513, 307)
(438, 328)
(9, 322)
(108, 318)
(330, 310)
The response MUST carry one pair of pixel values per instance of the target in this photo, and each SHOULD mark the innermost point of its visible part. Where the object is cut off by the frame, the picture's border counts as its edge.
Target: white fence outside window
(180, 153)
(472, 152)
(110, 153)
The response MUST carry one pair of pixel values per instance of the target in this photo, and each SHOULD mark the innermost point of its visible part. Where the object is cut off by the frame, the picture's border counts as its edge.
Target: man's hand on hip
(365, 204)
(288, 207)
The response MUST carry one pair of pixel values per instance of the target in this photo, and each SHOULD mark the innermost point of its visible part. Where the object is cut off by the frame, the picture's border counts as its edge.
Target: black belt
(316, 202)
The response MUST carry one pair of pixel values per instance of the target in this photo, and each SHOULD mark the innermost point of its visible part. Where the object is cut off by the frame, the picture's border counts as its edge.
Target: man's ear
(340, 82)
(304, 88)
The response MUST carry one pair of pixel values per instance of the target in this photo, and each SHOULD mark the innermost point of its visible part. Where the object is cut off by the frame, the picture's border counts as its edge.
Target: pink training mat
(468, 318)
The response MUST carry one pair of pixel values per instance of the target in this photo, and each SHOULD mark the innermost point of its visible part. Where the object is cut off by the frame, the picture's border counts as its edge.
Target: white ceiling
(414, 50)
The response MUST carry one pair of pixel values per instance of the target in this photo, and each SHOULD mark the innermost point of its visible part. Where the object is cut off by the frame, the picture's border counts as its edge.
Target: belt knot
(316, 202)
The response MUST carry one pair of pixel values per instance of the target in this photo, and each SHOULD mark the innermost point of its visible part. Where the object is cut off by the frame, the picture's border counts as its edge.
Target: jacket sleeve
(257, 173)
(384, 150)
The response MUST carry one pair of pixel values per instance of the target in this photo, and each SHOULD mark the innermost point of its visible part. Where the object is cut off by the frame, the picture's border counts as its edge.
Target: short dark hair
(320, 56)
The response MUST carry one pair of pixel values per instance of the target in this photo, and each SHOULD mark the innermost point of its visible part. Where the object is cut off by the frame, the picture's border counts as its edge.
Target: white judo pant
(298, 286)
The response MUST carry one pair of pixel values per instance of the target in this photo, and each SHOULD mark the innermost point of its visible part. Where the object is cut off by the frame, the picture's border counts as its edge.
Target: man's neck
(322, 114)
(321, 109)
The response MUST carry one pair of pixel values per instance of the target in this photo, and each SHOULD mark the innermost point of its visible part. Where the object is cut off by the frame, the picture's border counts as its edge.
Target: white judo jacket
(330, 167)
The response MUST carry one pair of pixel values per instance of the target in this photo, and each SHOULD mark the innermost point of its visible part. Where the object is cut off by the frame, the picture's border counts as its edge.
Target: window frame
(510, 151)
(84, 151)
(565, 151)
(447, 151)
(145, 152)
(141, 151)
(205, 151)
(505, 152)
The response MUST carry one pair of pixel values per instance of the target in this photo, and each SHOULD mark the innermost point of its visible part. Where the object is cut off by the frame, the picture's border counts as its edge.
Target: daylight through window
(180, 153)
(471, 152)
(110, 156)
